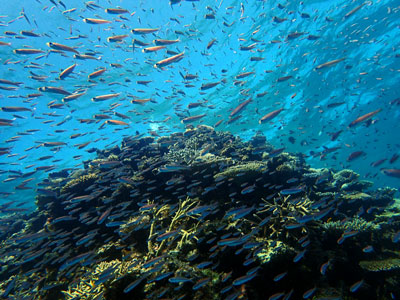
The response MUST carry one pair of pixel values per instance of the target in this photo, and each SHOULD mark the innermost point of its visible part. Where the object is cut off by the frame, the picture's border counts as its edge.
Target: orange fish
(144, 30)
(72, 97)
(105, 97)
(159, 42)
(96, 21)
(61, 47)
(67, 71)
(116, 38)
(329, 63)
(140, 101)
(364, 117)
(192, 118)
(27, 51)
(270, 116)
(116, 122)
(116, 11)
(152, 49)
(169, 60)
(96, 73)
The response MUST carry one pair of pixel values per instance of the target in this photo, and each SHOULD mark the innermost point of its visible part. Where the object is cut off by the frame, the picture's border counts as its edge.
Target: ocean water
(318, 79)
(316, 103)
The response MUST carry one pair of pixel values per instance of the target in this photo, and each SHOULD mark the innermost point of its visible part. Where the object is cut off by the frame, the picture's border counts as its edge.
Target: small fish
(270, 116)
(355, 286)
(62, 47)
(160, 42)
(324, 267)
(144, 30)
(96, 73)
(368, 249)
(14, 109)
(27, 51)
(299, 256)
(309, 293)
(105, 97)
(152, 49)
(355, 155)
(116, 122)
(280, 276)
(67, 71)
(244, 279)
(192, 118)
(96, 21)
(116, 38)
(134, 284)
(53, 89)
(179, 279)
(169, 60)
(200, 283)
(240, 107)
(364, 117)
(116, 11)
(329, 63)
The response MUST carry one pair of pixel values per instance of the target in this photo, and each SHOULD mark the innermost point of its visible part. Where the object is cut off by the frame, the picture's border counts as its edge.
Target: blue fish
(309, 293)
(179, 279)
(200, 283)
(134, 284)
(299, 256)
(244, 279)
(355, 286)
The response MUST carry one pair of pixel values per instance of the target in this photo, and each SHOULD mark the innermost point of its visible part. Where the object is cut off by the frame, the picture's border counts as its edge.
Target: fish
(192, 118)
(354, 10)
(284, 78)
(29, 33)
(116, 11)
(62, 47)
(240, 107)
(134, 284)
(169, 60)
(53, 89)
(96, 73)
(116, 38)
(27, 51)
(161, 42)
(329, 63)
(243, 75)
(211, 43)
(152, 49)
(244, 279)
(14, 109)
(105, 97)
(66, 72)
(116, 122)
(96, 21)
(355, 155)
(270, 116)
(355, 286)
(364, 117)
(144, 30)
(391, 172)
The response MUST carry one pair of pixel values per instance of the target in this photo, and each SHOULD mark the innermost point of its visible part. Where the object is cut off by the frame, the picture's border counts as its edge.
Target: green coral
(356, 223)
(272, 250)
(380, 265)
(80, 183)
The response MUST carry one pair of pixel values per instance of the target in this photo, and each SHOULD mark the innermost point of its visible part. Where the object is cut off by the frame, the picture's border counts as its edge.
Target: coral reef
(202, 215)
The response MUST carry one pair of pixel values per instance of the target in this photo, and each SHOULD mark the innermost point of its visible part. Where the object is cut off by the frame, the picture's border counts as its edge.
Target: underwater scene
(184, 149)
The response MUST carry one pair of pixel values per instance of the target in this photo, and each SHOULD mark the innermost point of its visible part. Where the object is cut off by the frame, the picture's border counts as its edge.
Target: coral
(344, 176)
(250, 169)
(272, 250)
(356, 223)
(380, 265)
(79, 183)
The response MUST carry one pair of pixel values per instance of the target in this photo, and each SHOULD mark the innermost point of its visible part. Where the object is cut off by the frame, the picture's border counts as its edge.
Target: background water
(365, 81)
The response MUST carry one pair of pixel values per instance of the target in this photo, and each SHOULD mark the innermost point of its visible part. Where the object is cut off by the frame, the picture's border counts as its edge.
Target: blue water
(365, 81)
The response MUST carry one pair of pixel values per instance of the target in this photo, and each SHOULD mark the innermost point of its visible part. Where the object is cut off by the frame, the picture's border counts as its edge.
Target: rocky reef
(203, 215)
